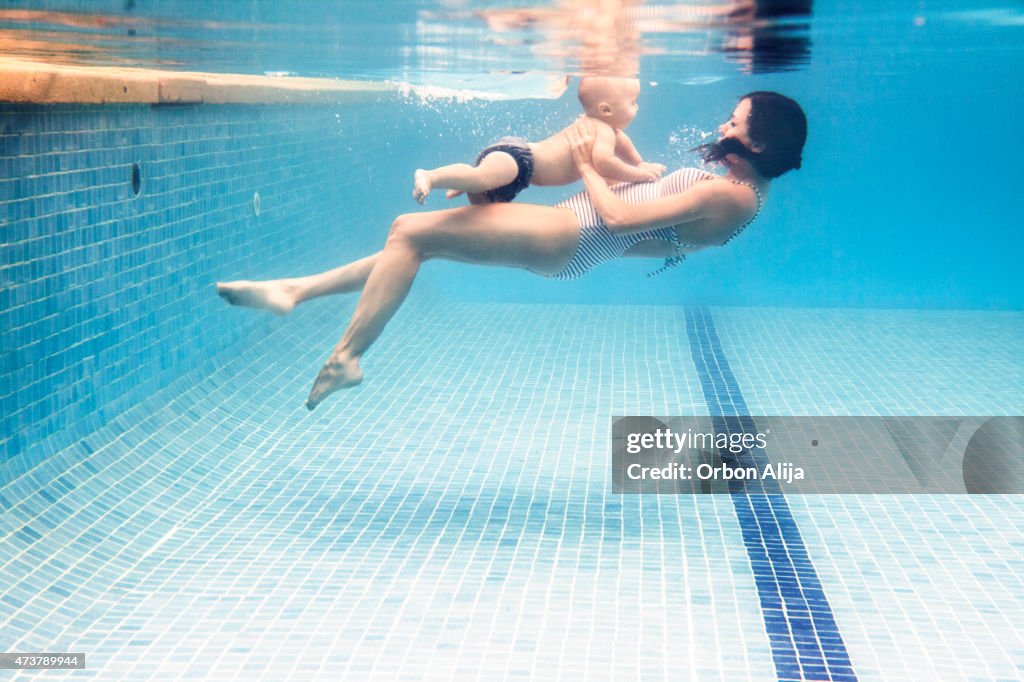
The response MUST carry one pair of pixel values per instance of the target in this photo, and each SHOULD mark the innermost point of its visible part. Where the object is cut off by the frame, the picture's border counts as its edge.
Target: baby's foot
(277, 296)
(421, 185)
(337, 373)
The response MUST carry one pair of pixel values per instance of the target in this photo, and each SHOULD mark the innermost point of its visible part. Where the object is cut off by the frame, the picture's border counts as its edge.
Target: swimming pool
(172, 511)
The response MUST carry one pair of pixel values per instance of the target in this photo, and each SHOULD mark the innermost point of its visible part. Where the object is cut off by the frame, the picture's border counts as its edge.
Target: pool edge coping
(35, 82)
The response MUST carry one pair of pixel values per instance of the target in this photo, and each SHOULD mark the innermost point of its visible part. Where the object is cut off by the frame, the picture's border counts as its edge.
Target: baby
(510, 165)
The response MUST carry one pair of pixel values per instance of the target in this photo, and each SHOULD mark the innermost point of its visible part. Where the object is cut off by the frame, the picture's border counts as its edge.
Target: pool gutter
(28, 81)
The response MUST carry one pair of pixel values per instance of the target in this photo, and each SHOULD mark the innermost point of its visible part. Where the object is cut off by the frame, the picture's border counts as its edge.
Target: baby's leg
(497, 169)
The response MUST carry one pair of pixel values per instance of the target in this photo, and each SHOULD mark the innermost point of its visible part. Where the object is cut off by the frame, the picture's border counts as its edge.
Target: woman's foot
(421, 185)
(337, 373)
(277, 296)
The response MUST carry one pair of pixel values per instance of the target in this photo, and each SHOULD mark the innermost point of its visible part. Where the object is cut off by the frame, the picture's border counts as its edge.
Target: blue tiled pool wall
(106, 296)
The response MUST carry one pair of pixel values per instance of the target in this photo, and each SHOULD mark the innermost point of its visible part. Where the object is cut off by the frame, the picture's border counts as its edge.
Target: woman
(681, 213)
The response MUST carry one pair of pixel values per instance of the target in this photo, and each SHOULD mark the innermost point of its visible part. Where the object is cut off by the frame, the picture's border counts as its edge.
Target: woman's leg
(497, 169)
(535, 238)
(281, 295)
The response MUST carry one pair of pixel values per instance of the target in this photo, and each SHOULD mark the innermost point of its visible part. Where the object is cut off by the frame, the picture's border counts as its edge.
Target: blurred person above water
(606, 37)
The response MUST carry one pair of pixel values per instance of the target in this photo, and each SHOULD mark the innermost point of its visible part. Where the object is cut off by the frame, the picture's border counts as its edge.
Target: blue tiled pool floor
(452, 517)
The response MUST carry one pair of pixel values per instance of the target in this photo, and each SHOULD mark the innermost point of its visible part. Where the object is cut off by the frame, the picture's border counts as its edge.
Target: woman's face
(736, 127)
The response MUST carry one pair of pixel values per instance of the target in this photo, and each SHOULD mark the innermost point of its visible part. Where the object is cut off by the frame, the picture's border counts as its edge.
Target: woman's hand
(581, 138)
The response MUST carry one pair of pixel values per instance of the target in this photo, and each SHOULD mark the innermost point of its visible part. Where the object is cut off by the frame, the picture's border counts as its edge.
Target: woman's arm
(705, 214)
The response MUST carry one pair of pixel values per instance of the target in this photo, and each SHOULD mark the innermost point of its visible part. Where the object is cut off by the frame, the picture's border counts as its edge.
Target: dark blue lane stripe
(802, 631)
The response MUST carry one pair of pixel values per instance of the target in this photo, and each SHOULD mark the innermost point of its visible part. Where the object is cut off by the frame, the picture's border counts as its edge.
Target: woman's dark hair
(776, 123)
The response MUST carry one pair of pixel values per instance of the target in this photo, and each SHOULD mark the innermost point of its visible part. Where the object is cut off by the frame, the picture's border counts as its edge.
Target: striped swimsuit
(598, 244)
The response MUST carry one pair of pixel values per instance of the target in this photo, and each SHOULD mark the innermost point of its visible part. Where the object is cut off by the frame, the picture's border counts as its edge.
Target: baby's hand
(653, 170)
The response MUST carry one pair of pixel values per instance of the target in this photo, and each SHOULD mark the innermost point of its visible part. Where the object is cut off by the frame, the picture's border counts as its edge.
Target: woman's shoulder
(736, 203)
(728, 204)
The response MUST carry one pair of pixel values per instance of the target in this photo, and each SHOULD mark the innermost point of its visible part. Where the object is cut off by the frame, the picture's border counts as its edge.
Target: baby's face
(612, 100)
(622, 102)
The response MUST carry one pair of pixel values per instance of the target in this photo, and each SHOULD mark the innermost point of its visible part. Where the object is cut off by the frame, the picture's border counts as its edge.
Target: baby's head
(612, 100)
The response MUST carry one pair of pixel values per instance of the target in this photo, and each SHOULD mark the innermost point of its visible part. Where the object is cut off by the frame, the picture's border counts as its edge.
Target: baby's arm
(610, 165)
(625, 150)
